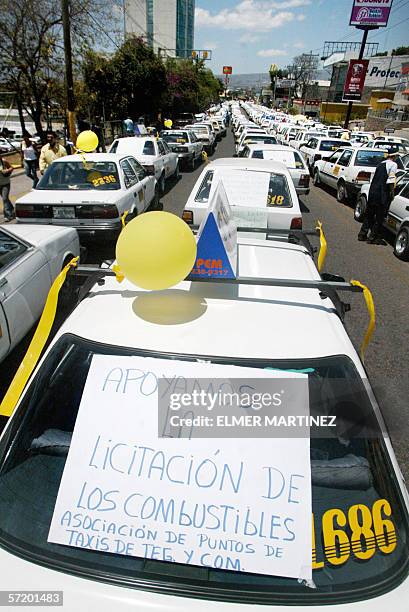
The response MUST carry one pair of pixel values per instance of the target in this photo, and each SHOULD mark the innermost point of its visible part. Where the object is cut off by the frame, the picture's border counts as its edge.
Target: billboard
(355, 81)
(373, 13)
(227, 70)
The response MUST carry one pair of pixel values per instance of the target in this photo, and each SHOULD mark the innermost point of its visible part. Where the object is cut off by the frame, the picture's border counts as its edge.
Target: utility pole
(361, 55)
(69, 81)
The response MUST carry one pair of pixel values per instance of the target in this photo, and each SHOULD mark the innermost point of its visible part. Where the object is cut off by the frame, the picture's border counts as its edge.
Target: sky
(250, 35)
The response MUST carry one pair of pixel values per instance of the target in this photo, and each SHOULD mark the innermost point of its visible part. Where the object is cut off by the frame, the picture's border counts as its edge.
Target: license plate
(64, 212)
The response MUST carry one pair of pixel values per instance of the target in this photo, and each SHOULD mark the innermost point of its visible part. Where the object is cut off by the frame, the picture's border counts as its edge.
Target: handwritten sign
(228, 504)
(246, 188)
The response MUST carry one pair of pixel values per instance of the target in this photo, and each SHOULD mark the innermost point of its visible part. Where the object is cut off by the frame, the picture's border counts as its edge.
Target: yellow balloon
(168, 123)
(87, 141)
(156, 250)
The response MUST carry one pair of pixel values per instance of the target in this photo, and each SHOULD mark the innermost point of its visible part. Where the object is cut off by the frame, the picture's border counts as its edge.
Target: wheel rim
(401, 243)
(341, 192)
(359, 208)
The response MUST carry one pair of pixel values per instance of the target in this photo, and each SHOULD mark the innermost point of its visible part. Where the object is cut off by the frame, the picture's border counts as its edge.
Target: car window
(331, 145)
(368, 158)
(79, 175)
(130, 176)
(345, 157)
(334, 157)
(278, 192)
(205, 187)
(10, 249)
(162, 150)
(257, 154)
(114, 147)
(177, 137)
(137, 168)
(405, 191)
(148, 148)
(353, 485)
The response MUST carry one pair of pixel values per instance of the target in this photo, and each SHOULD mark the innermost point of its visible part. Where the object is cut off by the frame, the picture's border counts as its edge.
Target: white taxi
(359, 502)
(153, 154)
(185, 144)
(347, 170)
(31, 257)
(320, 147)
(397, 219)
(255, 188)
(89, 193)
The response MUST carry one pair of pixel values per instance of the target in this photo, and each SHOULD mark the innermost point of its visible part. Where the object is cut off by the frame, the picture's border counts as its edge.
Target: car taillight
(304, 180)
(187, 216)
(150, 169)
(363, 177)
(97, 211)
(317, 157)
(296, 223)
(33, 211)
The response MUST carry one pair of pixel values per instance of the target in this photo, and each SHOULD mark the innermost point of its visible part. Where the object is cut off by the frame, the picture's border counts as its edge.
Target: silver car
(290, 157)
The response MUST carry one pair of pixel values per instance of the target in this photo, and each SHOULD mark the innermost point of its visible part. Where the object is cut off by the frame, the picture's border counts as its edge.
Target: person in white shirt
(381, 193)
(29, 153)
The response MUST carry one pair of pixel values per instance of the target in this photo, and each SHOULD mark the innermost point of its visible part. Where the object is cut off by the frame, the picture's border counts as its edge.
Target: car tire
(193, 162)
(401, 248)
(316, 180)
(341, 192)
(70, 289)
(162, 183)
(360, 208)
(155, 204)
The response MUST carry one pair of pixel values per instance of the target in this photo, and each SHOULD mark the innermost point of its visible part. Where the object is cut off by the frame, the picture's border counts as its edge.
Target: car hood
(69, 197)
(39, 234)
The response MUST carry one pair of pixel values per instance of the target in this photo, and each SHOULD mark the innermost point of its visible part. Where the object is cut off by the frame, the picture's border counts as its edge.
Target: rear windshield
(249, 188)
(291, 159)
(148, 148)
(332, 145)
(369, 158)
(179, 137)
(264, 139)
(361, 544)
(76, 175)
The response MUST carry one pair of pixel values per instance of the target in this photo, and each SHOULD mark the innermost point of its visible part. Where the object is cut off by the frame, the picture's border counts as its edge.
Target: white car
(359, 500)
(387, 145)
(31, 257)
(303, 137)
(253, 187)
(347, 170)
(185, 144)
(247, 137)
(320, 147)
(205, 134)
(153, 154)
(397, 219)
(291, 158)
(89, 193)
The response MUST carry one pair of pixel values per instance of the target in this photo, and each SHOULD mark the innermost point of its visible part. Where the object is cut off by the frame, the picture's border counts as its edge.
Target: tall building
(166, 25)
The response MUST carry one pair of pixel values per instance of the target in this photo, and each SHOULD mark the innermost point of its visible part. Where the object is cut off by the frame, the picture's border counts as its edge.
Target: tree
(302, 72)
(131, 82)
(401, 51)
(31, 48)
(191, 87)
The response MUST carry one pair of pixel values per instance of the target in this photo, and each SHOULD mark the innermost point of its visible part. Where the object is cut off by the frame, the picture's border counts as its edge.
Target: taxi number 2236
(103, 180)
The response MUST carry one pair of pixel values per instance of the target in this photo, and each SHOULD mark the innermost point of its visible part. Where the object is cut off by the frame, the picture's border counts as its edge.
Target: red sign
(355, 81)
(227, 70)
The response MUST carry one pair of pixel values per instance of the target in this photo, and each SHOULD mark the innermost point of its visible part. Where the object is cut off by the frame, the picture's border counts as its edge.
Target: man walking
(379, 198)
(5, 172)
(51, 151)
(29, 154)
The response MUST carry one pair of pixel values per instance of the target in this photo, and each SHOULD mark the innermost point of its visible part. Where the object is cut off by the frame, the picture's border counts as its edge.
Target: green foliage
(401, 51)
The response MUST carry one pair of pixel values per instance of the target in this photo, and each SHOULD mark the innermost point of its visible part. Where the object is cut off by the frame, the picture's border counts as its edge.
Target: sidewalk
(20, 185)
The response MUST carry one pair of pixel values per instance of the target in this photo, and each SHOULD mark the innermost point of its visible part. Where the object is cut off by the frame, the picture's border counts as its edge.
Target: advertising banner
(355, 81)
(370, 13)
(227, 70)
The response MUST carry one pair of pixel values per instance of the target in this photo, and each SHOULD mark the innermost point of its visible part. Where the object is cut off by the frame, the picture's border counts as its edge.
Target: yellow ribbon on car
(37, 343)
(323, 246)
(372, 318)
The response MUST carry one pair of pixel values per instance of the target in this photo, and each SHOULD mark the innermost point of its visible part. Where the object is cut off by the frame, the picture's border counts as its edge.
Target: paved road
(388, 354)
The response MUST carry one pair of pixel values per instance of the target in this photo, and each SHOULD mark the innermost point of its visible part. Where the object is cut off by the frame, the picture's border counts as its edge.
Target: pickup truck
(31, 257)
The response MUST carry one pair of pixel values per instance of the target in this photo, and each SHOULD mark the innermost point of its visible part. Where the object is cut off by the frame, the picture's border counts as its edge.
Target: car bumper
(184, 157)
(105, 229)
(302, 190)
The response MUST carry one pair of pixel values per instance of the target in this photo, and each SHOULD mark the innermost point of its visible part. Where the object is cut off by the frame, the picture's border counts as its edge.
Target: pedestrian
(51, 151)
(30, 156)
(5, 172)
(129, 126)
(379, 198)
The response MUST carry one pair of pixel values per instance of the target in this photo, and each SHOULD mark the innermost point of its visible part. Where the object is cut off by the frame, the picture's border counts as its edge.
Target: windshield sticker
(208, 502)
(103, 180)
(361, 532)
(275, 200)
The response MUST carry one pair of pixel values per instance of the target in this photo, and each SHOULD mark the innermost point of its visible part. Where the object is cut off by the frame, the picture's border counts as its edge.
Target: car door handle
(3, 281)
